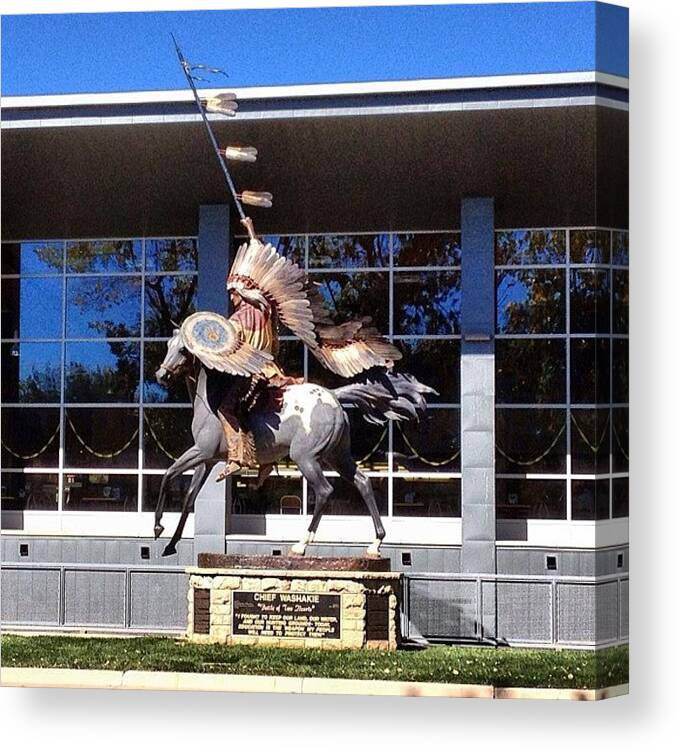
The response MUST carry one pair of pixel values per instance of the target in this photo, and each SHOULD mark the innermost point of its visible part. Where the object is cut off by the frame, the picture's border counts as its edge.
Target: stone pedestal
(329, 603)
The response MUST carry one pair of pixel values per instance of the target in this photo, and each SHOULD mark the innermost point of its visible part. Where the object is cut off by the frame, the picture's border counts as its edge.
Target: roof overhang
(340, 157)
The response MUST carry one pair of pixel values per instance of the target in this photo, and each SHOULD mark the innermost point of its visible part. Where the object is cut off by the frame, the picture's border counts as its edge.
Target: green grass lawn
(501, 667)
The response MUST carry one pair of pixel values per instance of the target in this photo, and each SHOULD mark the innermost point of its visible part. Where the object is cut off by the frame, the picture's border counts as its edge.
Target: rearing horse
(308, 424)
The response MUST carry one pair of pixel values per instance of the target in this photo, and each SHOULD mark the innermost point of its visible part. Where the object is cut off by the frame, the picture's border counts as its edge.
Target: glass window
(345, 500)
(356, 295)
(531, 498)
(29, 491)
(31, 373)
(426, 302)
(620, 371)
(167, 434)
(590, 436)
(356, 251)
(425, 250)
(620, 245)
(172, 254)
(535, 247)
(103, 306)
(590, 500)
(620, 440)
(531, 301)
(31, 308)
(427, 497)
(102, 372)
(278, 495)
(32, 257)
(530, 371)
(97, 492)
(103, 256)
(176, 492)
(432, 444)
(620, 497)
(168, 301)
(589, 301)
(30, 437)
(434, 362)
(531, 441)
(620, 304)
(154, 393)
(590, 371)
(589, 246)
(102, 437)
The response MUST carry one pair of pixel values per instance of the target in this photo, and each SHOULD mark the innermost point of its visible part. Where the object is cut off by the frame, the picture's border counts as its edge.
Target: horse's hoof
(169, 551)
(159, 528)
(373, 556)
(295, 553)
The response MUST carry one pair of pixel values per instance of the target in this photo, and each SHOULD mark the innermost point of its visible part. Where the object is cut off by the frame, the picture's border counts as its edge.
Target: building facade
(481, 223)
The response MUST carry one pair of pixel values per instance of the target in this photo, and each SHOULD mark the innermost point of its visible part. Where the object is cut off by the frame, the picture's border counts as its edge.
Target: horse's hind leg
(322, 489)
(347, 469)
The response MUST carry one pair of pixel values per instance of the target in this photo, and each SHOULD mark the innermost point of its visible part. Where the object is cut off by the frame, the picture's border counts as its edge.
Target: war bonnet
(263, 277)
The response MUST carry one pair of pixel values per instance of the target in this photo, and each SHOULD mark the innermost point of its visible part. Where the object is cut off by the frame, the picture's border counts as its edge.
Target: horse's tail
(384, 394)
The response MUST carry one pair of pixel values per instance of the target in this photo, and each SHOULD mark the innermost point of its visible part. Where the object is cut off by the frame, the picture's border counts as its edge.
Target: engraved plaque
(286, 615)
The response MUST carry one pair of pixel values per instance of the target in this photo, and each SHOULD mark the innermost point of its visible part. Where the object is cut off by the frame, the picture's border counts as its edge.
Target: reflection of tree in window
(427, 302)
(590, 301)
(106, 306)
(538, 247)
(348, 252)
(102, 372)
(169, 300)
(530, 301)
(589, 246)
(31, 373)
(171, 255)
(427, 250)
(530, 371)
(356, 295)
(109, 256)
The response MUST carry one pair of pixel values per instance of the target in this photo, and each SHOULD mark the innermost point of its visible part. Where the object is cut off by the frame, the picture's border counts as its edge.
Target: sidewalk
(136, 680)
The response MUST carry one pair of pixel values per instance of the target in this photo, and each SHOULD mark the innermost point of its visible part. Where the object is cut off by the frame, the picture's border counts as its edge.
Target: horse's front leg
(197, 482)
(187, 460)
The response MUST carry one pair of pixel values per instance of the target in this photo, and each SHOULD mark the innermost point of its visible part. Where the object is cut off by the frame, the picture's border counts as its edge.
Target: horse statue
(304, 421)
(248, 412)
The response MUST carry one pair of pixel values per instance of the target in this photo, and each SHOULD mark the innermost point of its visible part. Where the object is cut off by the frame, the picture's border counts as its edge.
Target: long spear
(262, 199)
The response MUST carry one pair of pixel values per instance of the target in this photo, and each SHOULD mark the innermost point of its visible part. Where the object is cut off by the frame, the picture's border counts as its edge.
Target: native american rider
(265, 288)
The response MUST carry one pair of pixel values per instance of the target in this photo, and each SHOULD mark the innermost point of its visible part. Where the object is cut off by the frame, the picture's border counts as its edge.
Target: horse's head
(177, 361)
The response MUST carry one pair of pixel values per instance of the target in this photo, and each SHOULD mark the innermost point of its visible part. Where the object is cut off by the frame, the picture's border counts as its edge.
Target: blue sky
(101, 52)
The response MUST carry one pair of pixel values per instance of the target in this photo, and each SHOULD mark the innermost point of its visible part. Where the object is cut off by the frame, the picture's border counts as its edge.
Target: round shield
(207, 334)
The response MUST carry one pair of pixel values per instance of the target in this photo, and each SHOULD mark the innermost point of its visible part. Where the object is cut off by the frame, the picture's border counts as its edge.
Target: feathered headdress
(262, 276)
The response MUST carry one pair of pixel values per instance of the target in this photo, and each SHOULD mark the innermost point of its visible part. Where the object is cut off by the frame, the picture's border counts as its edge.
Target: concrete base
(328, 609)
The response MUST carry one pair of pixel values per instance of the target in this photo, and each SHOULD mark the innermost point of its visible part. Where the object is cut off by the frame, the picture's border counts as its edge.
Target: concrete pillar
(478, 552)
(214, 242)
